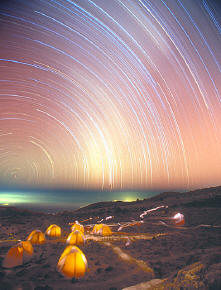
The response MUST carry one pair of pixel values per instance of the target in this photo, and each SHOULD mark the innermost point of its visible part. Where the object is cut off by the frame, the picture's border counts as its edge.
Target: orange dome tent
(18, 254)
(102, 229)
(96, 228)
(75, 238)
(77, 227)
(72, 263)
(53, 231)
(36, 237)
(105, 231)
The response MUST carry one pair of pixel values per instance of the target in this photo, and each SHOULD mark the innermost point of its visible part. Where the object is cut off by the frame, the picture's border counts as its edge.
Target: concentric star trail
(120, 94)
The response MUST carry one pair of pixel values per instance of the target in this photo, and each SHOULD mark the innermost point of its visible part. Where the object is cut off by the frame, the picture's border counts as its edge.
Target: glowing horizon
(110, 95)
(62, 199)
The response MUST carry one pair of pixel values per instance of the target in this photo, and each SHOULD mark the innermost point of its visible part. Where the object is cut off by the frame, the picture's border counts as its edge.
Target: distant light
(179, 219)
(178, 216)
(109, 217)
(129, 199)
(5, 204)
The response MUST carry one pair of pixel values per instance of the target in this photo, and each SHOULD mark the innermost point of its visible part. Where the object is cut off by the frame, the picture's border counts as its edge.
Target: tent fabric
(102, 229)
(18, 254)
(67, 250)
(72, 263)
(53, 231)
(77, 227)
(75, 238)
(36, 237)
(105, 231)
(27, 246)
(96, 228)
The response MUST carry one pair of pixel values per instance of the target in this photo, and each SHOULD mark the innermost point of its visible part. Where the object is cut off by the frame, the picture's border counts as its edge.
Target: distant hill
(208, 197)
(202, 197)
(14, 211)
(181, 257)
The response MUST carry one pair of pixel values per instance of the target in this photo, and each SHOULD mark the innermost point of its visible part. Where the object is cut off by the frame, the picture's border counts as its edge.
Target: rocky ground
(150, 255)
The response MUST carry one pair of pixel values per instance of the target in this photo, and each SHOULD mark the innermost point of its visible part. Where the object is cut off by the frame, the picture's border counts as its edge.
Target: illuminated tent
(179, 219)
(75, 238)
(102, 229)
(105, 231)
(77, 227)
(53, 231)
(96, 228)
(72, 263)
(18, 254)
(36, 237)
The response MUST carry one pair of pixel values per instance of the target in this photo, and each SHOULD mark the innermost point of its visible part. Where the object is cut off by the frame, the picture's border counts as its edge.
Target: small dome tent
(72, 263)
(77, 227)
(53, 231)
(18, 254)
(27, 246)
(102, 229)
(36, 237)
(96, 228)
(75, 238)
(105, 231)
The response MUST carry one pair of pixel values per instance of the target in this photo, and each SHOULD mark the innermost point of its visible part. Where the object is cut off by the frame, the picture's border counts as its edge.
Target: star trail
(110, 94)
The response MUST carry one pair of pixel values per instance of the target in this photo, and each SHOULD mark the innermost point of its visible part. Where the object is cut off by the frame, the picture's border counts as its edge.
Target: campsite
(110, 144)
(128, 251)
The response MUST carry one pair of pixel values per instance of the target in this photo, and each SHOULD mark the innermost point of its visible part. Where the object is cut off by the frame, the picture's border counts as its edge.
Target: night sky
(110, 95)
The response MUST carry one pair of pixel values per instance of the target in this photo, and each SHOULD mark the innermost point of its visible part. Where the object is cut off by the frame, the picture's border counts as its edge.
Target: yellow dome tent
(36, 237)
(53, 231)
(105, 231)
(72, 263)
(75, 238)
(96, 228)
(18, 254)
(102, 229)
(77, 227)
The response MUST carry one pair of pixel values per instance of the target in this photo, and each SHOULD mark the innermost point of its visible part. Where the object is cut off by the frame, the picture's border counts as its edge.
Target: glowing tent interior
(72, 263)
(18, 254)
(53, 231)
(36, 237)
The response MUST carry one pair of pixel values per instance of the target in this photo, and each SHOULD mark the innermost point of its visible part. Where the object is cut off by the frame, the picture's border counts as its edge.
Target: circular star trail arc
(110, 94)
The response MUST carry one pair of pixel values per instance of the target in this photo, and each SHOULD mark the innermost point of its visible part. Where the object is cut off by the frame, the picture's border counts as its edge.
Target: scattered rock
(5, 285)
(46, 287)
(2, 274)
(213, 277)
(190, 277)
(108, 269)
(146, 285)
(99, 270)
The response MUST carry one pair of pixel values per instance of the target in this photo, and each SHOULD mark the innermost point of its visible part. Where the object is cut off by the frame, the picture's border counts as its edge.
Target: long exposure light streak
(120, 94)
